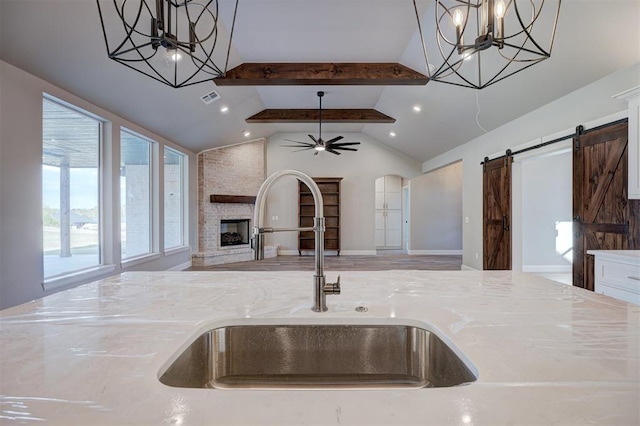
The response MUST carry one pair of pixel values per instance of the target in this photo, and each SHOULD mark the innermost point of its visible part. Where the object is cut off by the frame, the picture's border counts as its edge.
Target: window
(173, 198)
(135, 195)
(70, 189)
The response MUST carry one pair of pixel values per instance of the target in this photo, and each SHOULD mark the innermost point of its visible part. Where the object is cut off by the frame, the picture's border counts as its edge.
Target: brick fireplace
(237, 172)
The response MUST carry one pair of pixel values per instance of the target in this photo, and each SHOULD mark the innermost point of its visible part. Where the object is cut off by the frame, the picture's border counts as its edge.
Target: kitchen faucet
(321, 287)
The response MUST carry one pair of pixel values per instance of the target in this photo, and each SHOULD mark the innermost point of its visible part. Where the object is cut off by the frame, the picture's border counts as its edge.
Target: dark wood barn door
(603, 216)
(497, 213)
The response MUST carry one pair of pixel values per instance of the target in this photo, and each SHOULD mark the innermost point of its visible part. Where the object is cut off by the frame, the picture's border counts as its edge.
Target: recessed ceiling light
(224, 109)
(247, 133)
(417, 108)
(392, 134)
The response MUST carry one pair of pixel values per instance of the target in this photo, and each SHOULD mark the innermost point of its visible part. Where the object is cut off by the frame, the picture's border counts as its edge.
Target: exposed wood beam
(300, 74)
(328, 116)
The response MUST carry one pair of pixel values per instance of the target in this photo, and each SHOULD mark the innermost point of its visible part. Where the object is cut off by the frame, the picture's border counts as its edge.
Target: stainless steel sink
(317, 356)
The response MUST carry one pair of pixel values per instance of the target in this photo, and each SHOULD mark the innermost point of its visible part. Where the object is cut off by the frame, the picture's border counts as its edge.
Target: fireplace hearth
(234, 232)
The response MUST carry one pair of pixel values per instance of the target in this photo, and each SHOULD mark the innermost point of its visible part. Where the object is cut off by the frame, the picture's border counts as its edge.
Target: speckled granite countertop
(546, 353)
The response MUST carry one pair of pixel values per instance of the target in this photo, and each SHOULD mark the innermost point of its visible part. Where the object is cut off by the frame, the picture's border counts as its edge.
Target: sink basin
(317, 356)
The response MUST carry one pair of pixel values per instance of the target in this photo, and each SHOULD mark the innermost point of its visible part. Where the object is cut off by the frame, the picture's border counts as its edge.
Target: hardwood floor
(344, 263)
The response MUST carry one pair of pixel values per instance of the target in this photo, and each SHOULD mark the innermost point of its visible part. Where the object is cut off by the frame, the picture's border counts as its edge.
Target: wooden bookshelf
(330, 189)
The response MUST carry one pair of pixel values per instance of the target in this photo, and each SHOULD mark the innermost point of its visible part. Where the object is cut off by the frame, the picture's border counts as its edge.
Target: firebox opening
(234, 232)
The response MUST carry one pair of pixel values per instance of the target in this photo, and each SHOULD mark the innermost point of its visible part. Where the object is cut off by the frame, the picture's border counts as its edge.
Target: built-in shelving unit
(330, 189)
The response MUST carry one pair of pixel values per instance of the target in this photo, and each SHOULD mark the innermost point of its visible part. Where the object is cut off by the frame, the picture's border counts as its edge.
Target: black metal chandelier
(176, 42)
(480, 42)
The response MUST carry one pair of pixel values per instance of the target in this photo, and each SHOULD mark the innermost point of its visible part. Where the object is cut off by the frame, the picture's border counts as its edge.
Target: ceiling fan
(319, 144)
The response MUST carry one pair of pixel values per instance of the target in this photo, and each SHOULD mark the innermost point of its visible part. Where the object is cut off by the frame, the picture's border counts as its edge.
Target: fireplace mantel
(236, 199)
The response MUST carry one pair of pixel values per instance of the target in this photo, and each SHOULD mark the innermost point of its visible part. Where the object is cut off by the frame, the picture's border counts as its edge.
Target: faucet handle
(332, 288)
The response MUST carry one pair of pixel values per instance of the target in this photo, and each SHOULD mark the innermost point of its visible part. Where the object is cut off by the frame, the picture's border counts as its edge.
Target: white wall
(359, 171)
(582, 106)
(436, 212)
(21, 186)
(547, 206)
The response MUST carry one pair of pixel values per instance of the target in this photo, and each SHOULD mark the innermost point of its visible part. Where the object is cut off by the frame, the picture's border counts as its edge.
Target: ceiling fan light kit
(176, 42)
(319, 144)
(481, 42)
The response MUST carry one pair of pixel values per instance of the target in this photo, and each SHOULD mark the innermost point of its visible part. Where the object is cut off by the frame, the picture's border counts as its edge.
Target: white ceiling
(61, 41)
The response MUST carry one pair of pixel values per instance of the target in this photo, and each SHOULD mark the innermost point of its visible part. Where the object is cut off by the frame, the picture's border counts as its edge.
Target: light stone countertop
(546, 353)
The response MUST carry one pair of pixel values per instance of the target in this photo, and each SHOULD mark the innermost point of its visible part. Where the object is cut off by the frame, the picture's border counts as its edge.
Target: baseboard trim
(359, 252)
(181, 267)
(552, 269)
(436, 252)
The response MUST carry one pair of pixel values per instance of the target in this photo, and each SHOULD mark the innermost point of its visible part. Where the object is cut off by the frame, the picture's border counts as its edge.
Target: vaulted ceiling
(61, 41)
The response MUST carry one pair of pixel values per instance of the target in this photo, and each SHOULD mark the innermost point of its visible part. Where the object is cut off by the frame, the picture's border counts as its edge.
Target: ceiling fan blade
(297, 146)
(336, 139)
(345, 144)
(332, 151)
(304, 149)
(343, 148)
(313, 139)
(300, 142)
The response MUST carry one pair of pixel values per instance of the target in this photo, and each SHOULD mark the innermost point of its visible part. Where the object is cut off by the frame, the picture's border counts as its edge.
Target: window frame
(154, 182)
(184, 207)
(76, 276)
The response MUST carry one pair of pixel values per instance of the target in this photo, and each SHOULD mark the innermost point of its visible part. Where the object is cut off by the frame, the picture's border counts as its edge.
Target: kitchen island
(545, 353)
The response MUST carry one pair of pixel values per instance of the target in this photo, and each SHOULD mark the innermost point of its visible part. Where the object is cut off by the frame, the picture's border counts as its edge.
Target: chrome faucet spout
(321, 287)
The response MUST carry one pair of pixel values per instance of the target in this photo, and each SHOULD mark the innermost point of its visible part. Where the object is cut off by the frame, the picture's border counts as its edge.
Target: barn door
(601, 208)
(497, 213)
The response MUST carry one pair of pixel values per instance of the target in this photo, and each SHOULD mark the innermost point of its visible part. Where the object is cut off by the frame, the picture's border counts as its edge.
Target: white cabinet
(617, 274)
(388, 220)
(633, 97)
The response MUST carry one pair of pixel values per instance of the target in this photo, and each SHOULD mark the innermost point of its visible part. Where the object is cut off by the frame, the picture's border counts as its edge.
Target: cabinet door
(393, 191)
(380, 201)
(380, 229)
(393, 228)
